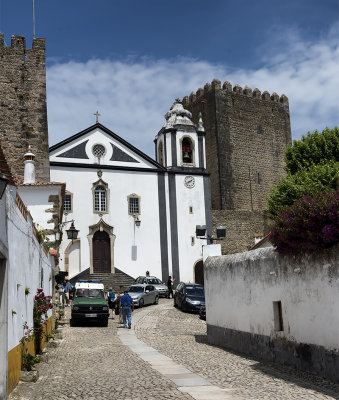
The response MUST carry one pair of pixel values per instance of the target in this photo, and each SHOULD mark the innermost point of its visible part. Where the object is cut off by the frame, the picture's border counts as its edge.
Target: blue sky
(130, 59)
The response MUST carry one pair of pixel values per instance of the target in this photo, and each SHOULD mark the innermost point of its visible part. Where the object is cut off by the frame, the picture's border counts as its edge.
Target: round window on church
(98, 150)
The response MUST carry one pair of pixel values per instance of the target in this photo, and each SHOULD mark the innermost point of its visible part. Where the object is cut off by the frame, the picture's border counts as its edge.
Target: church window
(133, 204)
(98, 150)
(187, 151)
(100, 194)
(68, 202)
(100, 198)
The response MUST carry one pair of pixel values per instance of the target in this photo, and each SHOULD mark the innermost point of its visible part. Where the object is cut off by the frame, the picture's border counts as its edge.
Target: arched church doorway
(101, 252)
(199, 272)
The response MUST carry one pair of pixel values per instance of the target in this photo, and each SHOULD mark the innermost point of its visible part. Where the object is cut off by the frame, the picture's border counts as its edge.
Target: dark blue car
(189, 296)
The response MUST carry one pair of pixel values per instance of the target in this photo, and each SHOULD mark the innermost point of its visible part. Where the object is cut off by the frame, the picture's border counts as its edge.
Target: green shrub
(318, 178)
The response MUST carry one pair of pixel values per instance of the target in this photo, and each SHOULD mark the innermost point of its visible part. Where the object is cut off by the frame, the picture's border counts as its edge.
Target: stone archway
(199, 272)
(72, 262)
(101, 240)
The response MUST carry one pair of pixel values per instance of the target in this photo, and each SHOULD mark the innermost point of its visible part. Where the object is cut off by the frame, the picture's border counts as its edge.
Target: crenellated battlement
(236, 89)
(23, 103)
(18, 43)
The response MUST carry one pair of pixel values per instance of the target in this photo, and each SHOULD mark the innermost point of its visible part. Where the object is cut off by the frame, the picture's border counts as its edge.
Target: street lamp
(3, 184)
(72, 233)
(200, 233)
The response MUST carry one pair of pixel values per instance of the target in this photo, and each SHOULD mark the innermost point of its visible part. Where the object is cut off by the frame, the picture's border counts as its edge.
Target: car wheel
(141, 303)
(71, 322)
(156, 301)
(175, 303)
(105, 322)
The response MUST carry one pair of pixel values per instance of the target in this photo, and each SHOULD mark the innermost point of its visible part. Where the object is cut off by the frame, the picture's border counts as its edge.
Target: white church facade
(133, 213)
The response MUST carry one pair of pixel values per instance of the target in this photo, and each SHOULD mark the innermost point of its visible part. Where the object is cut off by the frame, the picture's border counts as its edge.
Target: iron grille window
(134, 205)
(100, 198)
(68, 203)
(98, 150)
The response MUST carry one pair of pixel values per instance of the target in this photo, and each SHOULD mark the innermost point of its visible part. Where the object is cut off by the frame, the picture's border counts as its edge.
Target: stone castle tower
(23, 109)
(246, 136)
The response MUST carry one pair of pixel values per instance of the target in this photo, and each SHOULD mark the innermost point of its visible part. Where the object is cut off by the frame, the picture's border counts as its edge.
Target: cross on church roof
(97, 116)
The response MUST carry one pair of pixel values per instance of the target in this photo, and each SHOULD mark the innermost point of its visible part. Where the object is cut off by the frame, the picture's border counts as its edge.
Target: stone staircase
(114, 281)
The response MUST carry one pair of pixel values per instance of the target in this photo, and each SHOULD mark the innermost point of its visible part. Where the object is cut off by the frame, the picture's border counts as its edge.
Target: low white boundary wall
(242, 295)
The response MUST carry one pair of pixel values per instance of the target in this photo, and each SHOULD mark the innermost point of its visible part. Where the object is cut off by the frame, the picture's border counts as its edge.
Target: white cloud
(134, 95)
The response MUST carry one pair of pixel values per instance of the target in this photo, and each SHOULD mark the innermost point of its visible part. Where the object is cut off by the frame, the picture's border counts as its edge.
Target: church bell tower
(180, 144)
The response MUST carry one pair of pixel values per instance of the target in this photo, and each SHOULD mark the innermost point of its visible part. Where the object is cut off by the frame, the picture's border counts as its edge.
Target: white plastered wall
(28, 266)
(121, 184)
(241, 288)
(189, 197)
(3, 297)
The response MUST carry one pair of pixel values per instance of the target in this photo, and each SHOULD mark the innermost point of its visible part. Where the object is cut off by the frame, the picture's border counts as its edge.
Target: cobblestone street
(163, 357)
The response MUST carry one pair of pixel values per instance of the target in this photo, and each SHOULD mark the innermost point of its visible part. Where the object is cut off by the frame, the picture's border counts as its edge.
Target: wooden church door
(199, 272)
(101, 252)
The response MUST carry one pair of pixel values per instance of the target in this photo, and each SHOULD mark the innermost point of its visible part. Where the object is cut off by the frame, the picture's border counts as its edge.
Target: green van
(89, 303)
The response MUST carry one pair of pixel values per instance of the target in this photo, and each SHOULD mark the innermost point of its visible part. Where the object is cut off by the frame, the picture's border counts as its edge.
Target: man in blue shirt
(127, 306)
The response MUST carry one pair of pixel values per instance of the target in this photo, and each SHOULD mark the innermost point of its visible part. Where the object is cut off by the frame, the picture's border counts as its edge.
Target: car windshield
(136, 289)
(195, 291)
(154, 281)
(93, 293)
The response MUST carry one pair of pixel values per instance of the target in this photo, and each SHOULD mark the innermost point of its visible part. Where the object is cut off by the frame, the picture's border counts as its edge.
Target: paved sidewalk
(182, 337)
(188, 382)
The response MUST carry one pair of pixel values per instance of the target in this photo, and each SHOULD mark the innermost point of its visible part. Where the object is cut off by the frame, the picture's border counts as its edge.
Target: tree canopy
(313, 149)
(312, 165)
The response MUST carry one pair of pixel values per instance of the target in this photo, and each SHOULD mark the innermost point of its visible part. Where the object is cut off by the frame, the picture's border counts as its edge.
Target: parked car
(189, 296)
(89, 303)
(143, 294)
(202, 313)
(156, 282)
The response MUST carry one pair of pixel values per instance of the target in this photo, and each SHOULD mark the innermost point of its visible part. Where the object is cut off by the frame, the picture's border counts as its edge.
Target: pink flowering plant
(310, 224)
(42, 304)
(28, 360)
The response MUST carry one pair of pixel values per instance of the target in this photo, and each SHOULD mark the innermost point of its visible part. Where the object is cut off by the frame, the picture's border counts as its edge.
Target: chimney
(29, 174)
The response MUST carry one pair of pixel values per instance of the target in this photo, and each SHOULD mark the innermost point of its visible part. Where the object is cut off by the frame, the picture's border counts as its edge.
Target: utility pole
(33, 21)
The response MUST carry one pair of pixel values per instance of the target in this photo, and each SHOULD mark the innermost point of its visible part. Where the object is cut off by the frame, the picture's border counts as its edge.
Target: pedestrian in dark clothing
(111, 301)
(170, 282)
(127, 306)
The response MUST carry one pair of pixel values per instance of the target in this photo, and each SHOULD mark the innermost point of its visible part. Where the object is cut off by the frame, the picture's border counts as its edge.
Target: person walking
(111, 301)
(117, 304)
(127, 306)
(170, 282)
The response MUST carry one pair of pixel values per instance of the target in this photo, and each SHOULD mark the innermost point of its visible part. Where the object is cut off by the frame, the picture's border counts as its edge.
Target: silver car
(143, 294)
(156, 282)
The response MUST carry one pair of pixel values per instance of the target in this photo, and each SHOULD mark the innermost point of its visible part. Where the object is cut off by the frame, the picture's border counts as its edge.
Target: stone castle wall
(246, 136)
(247, 133)
(241, 227)
(23, 109)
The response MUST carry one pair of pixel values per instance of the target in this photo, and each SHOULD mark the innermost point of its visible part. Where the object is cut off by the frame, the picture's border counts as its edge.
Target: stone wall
(241, 226)
(246, 136)
(23, 110)
(277, 308)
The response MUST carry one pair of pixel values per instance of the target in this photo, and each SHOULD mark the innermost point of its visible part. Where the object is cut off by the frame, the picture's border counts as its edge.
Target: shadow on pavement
(286, 373)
